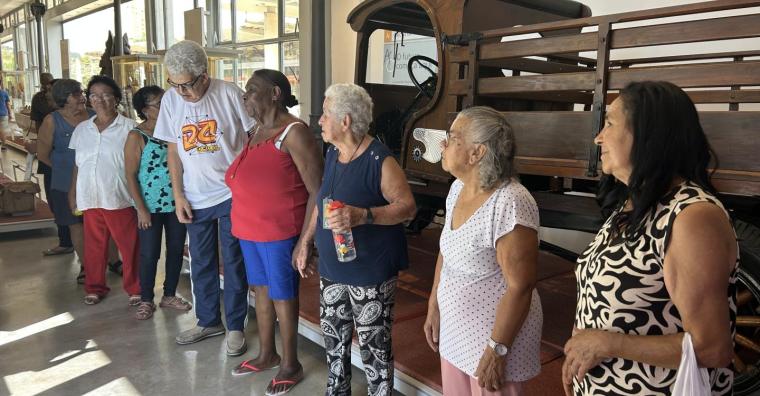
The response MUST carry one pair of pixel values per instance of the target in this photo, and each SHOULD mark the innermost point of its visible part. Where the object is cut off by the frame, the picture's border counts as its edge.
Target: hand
(184, 210)
(303, 259)
(432, 327)
(584, 351)
(491, 370)
(143, 219)
(345, 218)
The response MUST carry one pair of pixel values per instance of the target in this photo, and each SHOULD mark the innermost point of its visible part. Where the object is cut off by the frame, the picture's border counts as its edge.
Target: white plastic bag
(691, 380)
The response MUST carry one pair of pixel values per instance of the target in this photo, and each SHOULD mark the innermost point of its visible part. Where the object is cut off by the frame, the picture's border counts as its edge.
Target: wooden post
(600, 94)
(472, 74)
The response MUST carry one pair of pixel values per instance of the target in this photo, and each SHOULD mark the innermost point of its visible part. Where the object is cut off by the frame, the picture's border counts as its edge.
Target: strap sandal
(134, 300)
(92, 299)
(145, 310)
(248, 368)
(284, 385)
(57, 250)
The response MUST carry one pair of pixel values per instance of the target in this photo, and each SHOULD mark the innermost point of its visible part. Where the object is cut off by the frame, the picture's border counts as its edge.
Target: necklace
(335, 167)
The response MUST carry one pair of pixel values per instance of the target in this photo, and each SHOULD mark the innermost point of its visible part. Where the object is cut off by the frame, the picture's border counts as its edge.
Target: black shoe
(115, 267)
(80, 277)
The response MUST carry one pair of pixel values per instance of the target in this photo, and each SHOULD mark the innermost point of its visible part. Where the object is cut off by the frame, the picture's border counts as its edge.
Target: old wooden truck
(552, 68)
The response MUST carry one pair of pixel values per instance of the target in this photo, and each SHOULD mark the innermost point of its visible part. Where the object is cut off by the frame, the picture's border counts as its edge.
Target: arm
(433, 320)
(308, 160)
(698, 263)
(133, 149)
(73, 188)
(183, 209)
(395, 189)
(45, 141)
(517, 255)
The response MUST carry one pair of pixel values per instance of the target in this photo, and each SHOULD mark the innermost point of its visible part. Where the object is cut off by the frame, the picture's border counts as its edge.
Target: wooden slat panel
(529, 47)
(735, 137)
(556, 82)
(681, 58)
(692, 75)
(688, 32)
(553, 134)
(534, 66)
(551, 167)
(726, 96)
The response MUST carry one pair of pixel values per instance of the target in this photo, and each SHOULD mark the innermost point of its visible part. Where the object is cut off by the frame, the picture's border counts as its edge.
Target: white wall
(342, 42)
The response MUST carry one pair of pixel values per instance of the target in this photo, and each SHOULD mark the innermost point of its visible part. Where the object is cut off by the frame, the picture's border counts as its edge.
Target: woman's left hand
(491, 370)
(345, 218)
(584, 351)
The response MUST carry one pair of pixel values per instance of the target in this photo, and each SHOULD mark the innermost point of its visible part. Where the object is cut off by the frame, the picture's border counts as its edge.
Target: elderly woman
(54, 136)
(148, 183)
(204, 122)
(484, 314)
(663, 264)
(274, 183)
(362, 173)
(99, 190)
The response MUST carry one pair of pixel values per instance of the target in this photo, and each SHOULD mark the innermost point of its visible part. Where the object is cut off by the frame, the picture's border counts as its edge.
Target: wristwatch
(500, 349)
(370, 219)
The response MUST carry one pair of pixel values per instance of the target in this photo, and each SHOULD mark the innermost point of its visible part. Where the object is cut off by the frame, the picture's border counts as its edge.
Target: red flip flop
(289, 384)
(247, 368)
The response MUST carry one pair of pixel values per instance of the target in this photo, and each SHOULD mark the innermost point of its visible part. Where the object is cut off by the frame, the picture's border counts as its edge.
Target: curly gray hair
(354, 101)
(490, 128)
(186, 57)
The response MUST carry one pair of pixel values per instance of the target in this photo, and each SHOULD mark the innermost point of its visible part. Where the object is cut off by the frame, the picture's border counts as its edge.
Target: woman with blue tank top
(53, 150)
(151, 189)
(361, 173)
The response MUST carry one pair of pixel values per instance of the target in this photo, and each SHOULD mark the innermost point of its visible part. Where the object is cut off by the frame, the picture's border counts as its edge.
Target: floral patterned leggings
(370, 309)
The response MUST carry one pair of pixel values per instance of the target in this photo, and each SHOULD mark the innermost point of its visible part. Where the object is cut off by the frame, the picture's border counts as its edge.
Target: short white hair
(186, 57)
(353, 101)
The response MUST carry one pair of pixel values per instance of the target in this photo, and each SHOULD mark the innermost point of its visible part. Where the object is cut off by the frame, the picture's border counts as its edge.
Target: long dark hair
(668, 143)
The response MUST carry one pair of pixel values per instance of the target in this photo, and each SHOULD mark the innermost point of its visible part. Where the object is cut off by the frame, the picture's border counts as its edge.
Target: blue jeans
(210, 229)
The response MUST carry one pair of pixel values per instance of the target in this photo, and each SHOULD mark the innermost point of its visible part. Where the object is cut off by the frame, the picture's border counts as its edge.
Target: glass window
(176, 9)
(291, 17)
(290, 66)
(87, 41)
(225, 20)
(256, 20)
(9, 57)
(254, 57)
(133, 24)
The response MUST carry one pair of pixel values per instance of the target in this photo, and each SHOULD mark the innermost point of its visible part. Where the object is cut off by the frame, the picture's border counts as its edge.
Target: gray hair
(62, 89)
(186, 57)
(353, 101)
(490, 128)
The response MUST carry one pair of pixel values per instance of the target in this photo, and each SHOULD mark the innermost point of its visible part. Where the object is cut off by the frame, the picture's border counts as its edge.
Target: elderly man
(204, 122)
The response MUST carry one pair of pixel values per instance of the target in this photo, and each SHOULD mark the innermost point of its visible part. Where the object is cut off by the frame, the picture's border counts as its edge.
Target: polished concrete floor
(53, 344)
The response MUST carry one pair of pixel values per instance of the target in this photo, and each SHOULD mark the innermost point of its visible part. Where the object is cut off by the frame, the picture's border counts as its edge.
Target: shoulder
(515, 192)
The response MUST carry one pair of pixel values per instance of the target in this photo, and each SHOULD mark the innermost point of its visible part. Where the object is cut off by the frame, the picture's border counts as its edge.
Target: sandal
(145, 310)
(288, 385)
(247, 368)
(57, 250)
(134, 300)
(175, 303)
(116, 267)
(92, 299)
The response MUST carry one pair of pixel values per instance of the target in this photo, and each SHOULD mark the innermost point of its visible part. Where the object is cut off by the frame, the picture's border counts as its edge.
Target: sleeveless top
(153, 175)
(621, 288)
(61, 156)
(268, 195)
(380, 249)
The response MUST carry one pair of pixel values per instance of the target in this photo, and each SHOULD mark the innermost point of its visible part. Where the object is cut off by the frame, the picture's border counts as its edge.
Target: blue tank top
(381, 249)
(153, 175)
(61, 156)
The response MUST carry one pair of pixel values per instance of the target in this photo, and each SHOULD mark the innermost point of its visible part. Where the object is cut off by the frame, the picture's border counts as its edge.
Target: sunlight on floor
(120, 387)
(6, 337)
(35, 382)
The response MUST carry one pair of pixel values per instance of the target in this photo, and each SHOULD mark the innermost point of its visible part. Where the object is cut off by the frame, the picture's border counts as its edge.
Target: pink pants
(457, 383)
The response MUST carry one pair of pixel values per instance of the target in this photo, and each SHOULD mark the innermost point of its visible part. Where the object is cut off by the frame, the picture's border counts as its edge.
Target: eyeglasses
(103, 97)
(184, 86)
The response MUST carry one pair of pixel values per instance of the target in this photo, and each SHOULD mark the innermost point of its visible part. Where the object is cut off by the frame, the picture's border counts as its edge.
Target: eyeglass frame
(102, 96)
(185, 86)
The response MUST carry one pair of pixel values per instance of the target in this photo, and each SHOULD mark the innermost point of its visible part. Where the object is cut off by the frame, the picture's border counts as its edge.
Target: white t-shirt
(101, 179)
(209, 134)
(471, 283)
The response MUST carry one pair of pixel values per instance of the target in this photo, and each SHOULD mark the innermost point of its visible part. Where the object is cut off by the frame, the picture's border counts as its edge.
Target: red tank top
(268, 194)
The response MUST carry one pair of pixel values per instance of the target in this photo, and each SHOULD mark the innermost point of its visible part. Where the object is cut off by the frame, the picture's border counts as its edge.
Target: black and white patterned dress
(621, 288)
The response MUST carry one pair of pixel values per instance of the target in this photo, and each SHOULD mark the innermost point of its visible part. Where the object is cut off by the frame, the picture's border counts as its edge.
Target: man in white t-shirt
(204, 122)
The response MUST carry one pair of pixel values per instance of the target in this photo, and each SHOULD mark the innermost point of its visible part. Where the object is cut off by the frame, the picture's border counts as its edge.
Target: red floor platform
(415, 359)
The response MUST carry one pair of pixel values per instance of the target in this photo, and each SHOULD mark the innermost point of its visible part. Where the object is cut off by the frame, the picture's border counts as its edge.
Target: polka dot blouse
(472, 284)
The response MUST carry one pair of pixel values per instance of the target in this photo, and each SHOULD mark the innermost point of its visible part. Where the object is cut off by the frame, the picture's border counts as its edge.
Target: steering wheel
(427, 87)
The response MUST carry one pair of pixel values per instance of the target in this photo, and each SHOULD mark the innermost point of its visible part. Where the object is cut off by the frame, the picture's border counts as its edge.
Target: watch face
(501, 350)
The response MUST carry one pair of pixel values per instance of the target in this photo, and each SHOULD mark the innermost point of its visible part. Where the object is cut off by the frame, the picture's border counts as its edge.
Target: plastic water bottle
(344, 241)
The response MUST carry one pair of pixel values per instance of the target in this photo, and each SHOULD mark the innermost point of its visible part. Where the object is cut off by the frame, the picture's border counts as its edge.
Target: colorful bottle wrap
(344, 241)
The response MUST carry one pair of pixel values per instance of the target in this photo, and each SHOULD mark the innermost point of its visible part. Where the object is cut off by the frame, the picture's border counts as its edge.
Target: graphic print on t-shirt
(199, 134)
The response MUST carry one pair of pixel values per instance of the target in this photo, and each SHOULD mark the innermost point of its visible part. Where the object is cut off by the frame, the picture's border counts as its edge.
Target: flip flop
(247, 368)
(289, 384)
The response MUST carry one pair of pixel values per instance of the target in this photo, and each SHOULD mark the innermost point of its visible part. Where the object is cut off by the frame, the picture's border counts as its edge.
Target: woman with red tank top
(274, 182)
